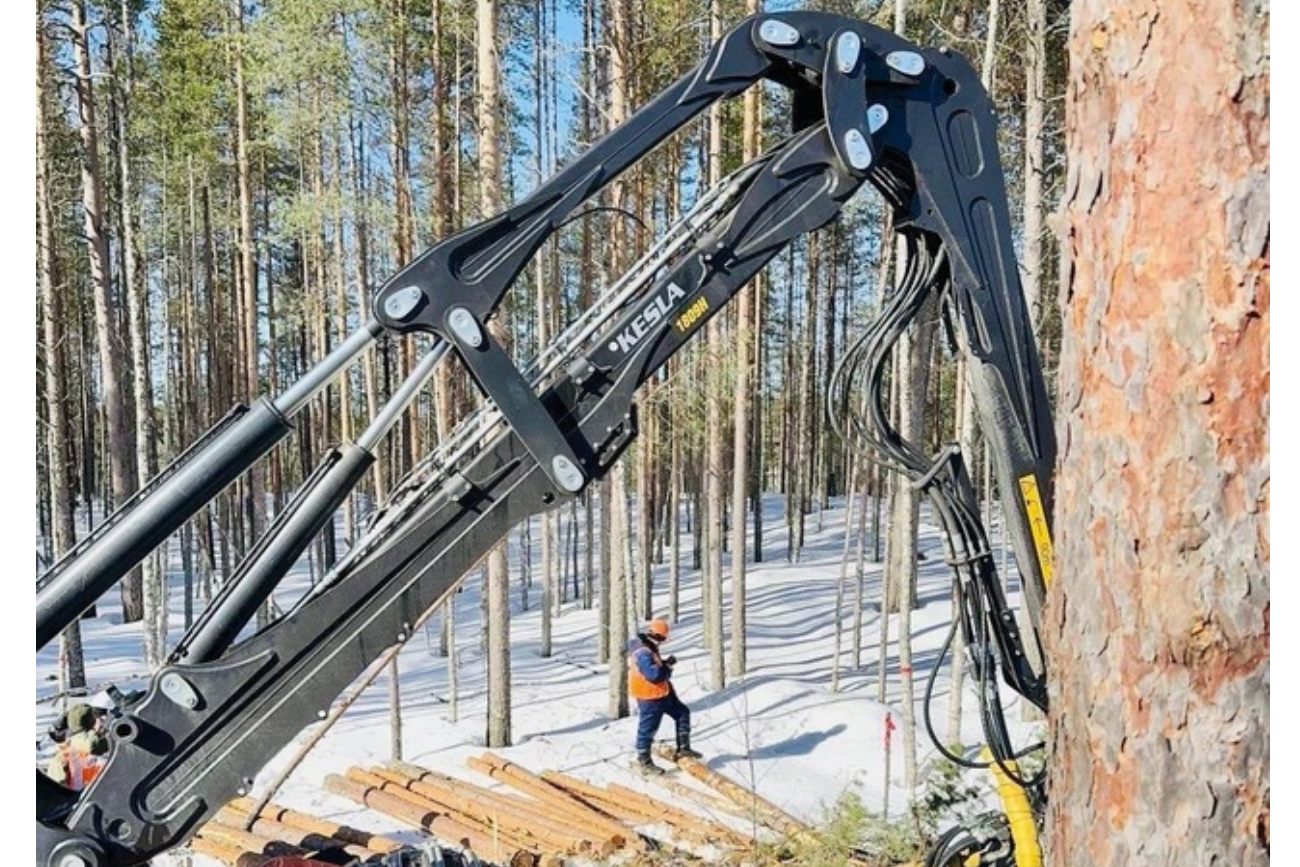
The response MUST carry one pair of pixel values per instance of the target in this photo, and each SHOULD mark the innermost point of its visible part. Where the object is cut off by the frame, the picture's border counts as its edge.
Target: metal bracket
(524, 411)
(844, 100)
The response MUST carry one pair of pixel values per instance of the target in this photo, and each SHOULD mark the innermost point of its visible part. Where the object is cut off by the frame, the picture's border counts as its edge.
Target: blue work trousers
(652, 712)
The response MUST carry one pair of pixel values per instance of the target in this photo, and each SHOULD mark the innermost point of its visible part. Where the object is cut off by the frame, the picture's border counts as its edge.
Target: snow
(781, 729)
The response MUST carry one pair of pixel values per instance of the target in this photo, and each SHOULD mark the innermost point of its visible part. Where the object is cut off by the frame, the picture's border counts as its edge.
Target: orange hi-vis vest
(81, 766)
(638, 684)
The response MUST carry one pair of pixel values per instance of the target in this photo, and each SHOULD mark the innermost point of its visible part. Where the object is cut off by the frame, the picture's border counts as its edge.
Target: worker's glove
(670, 661)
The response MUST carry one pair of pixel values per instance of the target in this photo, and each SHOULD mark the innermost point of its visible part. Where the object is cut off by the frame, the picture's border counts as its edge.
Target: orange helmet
(657, 629)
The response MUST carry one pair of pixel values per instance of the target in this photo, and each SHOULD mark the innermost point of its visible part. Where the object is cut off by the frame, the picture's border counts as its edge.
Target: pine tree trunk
(714, 450)
(153, 568)
(498, 649)
(1160, 660)
(803, 450)
(453, 657)
(248, 271)
(618, 592)
(614, 495)
(395, 709)
(740, 476)
(339, 317)
(120, 445)
(1035, 109)
(543, 302)
(498, 626)
(72, 667)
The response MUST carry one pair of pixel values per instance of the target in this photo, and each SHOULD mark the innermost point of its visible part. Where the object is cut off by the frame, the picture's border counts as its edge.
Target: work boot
(646, 765)
(684, 750)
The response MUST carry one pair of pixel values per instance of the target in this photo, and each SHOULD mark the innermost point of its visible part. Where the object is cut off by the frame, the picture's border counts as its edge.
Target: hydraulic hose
(1015, 803)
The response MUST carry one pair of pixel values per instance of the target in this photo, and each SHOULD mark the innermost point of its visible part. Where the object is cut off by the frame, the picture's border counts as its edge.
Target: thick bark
(1158, 620)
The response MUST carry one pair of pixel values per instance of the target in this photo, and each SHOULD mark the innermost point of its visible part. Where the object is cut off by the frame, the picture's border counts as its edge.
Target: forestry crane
(868, 107)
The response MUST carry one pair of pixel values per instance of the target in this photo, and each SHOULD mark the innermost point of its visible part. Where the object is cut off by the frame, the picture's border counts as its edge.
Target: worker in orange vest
(649, 681)
(80, 756)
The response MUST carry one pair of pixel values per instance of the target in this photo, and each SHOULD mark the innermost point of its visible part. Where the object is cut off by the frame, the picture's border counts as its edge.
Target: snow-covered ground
(781, 729)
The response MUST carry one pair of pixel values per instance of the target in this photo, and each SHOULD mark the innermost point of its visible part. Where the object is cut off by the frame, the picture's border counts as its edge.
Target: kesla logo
(655, 311)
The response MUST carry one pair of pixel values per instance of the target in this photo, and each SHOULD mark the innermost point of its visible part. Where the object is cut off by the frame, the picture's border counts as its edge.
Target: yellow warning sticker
(1038, 525)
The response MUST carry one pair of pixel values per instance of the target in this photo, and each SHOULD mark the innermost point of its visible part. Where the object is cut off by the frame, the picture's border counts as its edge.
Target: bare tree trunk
(411, 428)
(453, 658)
(714, 450)
(802, 448)
(588, 552)
(340, 315)
(604, 648)
(248, 268)
(643, 575)
(121, 449)
(740, 477)
(914, 356)
(446, 147)
(1160, 702)
(614, 494)
(587, 274)
(72, 667)
(395, 708)
(866, 474)
(988, 68)
(498, 626)
(543, 315)
(1035, 106)
(617, 604)
(966, 440)
(153, 567)
(674, 518)
(498, 651)
(842, 579)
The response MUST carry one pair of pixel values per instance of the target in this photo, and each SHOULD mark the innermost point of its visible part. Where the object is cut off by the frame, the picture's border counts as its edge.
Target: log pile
(750, 805)
(239, 839)
(527, 819)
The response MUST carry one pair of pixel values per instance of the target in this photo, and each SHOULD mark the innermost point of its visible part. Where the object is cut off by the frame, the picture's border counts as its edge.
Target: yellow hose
(1024, 830)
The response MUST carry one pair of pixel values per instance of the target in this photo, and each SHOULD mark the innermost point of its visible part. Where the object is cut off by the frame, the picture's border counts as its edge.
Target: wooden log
(274, 830)
(767, 812)
(496, 810)
(479, 824)
(227, 854)
(372, 841)
(489, 822)
(646, 820)
(712, 832)
(596, 822)
(249, 842)
(446, 828)
(556, 804)
(709, 801)
(598, 798)
(634, 812)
